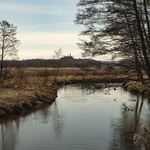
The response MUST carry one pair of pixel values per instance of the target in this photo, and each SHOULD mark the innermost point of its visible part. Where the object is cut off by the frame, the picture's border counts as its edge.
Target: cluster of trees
(119, 27)
(64, 62)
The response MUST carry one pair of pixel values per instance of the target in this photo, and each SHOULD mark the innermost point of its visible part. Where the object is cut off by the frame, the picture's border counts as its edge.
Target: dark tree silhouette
(117, 27)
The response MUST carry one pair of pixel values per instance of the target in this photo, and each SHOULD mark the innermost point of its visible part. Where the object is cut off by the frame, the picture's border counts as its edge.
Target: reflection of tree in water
(58, 122)
(45, 112)
(125, 128)
(92, 88)
(8, 134)
(123, 133)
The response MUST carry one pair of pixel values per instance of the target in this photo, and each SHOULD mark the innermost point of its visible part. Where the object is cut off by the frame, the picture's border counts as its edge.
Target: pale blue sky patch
(47, 9)
(43, 26)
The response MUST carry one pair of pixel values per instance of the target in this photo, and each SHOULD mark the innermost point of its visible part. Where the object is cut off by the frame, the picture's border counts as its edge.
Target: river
(81, 118)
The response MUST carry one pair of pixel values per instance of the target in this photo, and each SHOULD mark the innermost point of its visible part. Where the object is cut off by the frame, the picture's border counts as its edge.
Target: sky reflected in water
(80, 119)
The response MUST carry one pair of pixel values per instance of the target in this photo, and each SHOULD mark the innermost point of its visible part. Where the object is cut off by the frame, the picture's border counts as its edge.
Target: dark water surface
(80, 119)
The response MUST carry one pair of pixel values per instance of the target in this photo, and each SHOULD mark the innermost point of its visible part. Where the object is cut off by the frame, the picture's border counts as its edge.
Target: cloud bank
(43, 44)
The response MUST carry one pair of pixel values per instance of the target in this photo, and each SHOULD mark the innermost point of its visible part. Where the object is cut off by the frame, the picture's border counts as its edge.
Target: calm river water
(80, 119)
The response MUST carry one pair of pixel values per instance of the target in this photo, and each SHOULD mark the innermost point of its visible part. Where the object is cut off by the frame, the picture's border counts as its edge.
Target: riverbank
(137, 88)
(28, 89)
(17, 101)
(22, 102)
(75, 107)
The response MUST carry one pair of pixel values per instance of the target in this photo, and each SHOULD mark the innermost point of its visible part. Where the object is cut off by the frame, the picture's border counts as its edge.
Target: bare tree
(125, 22)
(58, 54)
(8, 43)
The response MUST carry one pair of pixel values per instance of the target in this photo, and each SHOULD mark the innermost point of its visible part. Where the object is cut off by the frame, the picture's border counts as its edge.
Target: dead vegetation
(138, 88)
(16, 102)
(25, 89)
(21, 92)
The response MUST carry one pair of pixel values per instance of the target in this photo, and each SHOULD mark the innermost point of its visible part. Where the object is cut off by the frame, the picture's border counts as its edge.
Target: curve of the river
(79, 119)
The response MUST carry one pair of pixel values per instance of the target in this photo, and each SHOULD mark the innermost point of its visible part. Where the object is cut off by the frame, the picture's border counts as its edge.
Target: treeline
(52, 63)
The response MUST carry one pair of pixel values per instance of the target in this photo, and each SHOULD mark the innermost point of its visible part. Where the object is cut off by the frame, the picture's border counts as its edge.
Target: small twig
(125, 107)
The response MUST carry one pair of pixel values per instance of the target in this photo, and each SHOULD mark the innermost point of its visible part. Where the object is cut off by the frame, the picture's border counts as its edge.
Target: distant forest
(67, 61)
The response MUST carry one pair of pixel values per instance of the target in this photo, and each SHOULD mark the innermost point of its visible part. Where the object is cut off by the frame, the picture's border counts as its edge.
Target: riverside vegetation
(26, 89)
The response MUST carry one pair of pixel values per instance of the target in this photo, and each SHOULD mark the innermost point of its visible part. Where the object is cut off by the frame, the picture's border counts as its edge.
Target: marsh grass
(29, 88)
(138, 88)
(31, 79)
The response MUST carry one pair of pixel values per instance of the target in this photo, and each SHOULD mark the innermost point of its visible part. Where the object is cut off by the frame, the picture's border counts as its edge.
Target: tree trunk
(57, 71)
(137, 65)
(146, 59)
(147, 18)
(2, 59)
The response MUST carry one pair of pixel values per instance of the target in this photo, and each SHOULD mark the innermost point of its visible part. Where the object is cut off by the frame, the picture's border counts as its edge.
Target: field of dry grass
(32, 79)
(28, 88)
(68, 74)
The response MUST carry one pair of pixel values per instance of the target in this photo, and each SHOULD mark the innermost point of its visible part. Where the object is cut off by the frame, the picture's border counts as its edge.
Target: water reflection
(91, 88)
(82, 117)
(44, 113)
(58, 121)
(9, 134)
(130, 123)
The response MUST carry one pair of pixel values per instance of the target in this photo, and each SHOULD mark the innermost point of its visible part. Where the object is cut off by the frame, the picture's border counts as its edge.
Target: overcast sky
(43, 26)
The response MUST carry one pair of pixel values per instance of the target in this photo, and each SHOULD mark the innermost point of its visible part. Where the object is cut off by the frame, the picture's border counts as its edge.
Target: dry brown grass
(26, 88)
(34, 78)
(138, 88)
(30, 88)
(18, 101)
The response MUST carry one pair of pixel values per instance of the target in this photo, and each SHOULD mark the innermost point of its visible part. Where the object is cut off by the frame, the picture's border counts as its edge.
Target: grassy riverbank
(137, 88)
(27, 89)
(20, 102)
